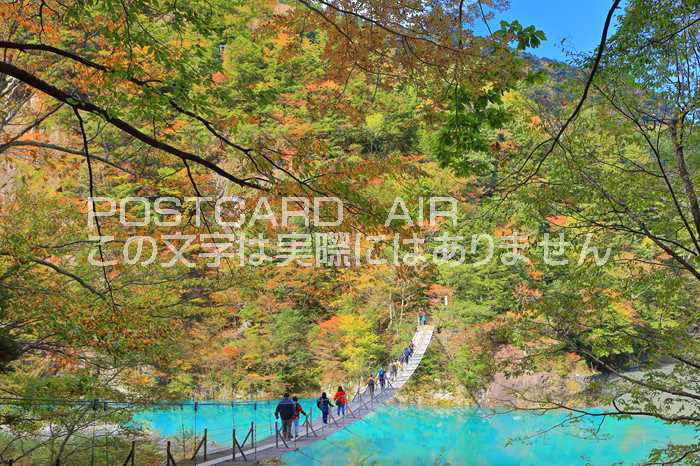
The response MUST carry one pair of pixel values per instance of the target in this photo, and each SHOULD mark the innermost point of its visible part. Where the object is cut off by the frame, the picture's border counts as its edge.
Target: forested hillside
(567, 252)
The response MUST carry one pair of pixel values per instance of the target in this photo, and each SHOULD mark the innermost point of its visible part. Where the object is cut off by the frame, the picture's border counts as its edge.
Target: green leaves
(526, 37)
(464, 131)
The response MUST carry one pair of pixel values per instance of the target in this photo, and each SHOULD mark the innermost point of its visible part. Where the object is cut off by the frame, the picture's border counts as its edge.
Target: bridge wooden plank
(266, 449)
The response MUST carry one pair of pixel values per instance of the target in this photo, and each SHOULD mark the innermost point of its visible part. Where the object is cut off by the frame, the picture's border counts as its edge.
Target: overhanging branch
(79, 104)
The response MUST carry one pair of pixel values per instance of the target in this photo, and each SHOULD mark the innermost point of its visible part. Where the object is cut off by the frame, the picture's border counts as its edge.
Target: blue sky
(578, 22)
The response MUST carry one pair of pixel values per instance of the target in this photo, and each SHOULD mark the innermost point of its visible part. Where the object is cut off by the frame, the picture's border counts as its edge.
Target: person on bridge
(370, 386)
(295, 420)
(340, 398)
(285, 410)
(394, 369)
(325, 405)
(381, 375)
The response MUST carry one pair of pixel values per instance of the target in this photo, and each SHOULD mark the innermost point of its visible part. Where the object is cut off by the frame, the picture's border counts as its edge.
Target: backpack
(381, 373)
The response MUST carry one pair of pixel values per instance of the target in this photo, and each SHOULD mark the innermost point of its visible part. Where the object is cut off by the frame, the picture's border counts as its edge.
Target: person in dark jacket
(370, 386)
(286, 411)
(325, 405)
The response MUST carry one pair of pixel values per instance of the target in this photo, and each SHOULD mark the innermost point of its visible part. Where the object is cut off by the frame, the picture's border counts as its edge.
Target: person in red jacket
(341, 400)
(295, 420)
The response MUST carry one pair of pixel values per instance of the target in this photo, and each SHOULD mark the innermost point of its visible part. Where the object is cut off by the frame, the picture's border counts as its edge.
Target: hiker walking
(381, 375)
(394, 369)
(340, 398)
(295, 421)
(370, 386)
(285, 411)
(325, 405)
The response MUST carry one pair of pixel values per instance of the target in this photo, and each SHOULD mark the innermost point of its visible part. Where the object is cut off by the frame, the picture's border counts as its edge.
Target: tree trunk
(685, 176)
(391, 312)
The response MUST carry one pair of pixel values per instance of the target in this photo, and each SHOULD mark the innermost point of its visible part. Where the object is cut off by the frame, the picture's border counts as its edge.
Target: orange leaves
(219, 78)
(560, 220)
(437, 294)
(505, 229)
(299, 129)
(330, 325)
(174, 127)
(25, 14)
(232, 351)
(376, 181)
(523, 290)
(326, 84)
(282, 40)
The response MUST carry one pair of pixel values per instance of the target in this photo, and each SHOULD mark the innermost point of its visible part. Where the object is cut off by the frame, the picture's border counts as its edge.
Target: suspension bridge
(247, 448)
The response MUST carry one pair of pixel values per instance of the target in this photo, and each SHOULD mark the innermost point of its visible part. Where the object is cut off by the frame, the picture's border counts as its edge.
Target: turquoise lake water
(407, 435)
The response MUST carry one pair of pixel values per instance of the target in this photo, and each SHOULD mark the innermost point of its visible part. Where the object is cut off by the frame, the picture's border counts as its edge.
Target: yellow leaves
(330, 85)
(535, 122)
(625, 308)
(374, 122)
(229, 295)
(487, 87)
(253, 377)
(349, 324)
(509, 97)
(263, 86)
(282, 40)
(300, 129)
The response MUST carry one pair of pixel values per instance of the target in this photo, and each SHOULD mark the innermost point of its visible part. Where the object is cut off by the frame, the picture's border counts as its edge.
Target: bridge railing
(194, 440)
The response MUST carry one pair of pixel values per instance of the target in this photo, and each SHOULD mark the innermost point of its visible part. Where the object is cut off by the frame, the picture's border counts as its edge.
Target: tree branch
(79, 104)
